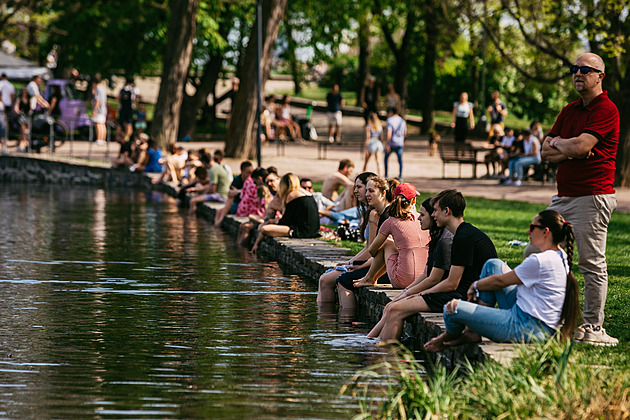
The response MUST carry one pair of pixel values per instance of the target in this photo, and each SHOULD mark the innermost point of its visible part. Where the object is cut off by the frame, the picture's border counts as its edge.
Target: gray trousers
(589, 216)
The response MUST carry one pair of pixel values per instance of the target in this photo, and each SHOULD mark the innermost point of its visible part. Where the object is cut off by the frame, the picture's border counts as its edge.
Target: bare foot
(467, 336)
(364, 282)
(218, 221)
(435, 344)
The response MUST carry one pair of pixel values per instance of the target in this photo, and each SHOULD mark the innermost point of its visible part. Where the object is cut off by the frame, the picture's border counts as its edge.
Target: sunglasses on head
(583, 69)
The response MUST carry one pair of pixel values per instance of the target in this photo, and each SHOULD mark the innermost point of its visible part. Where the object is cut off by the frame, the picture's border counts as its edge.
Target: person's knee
(493, 266)
(451, 306)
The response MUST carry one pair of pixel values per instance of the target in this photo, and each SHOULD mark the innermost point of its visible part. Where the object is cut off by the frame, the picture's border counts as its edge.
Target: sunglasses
(533, 226)
(583, 69)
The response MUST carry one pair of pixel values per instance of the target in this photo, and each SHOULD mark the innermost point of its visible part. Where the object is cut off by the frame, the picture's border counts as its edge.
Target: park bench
(322, 146)
(460, 153)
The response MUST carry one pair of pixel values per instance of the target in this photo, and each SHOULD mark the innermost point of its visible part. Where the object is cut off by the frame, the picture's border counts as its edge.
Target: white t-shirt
(6, 90)
(544, 278)
(528, 146)
(100, 95)
(507, 141)
(33, 91)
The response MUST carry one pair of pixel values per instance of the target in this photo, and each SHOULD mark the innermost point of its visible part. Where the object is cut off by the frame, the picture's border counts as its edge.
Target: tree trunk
(193, 105)
(622, 100)
(241, 137)
(364, 53)
(430, 56)
(296, 71)
(181, 32)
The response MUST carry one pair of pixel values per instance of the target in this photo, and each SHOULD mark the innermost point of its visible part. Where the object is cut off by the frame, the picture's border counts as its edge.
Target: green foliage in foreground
(545, 380)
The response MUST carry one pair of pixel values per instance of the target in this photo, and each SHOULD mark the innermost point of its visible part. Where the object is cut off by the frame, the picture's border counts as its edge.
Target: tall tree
(241, 138)
(390, 17)
(181, 32)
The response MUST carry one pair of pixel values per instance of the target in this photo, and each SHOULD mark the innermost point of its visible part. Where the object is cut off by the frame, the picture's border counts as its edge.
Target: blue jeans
(507, 323)
(517, 165)
(399, 152)
(351, 214)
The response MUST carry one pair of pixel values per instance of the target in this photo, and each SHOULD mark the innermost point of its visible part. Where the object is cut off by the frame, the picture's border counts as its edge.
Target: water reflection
(117, 304)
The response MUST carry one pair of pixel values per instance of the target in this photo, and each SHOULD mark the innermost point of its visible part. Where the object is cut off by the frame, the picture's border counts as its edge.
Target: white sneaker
(518, 183)
(580, 331)
(597, 336)
(100, 142)
(331, 139)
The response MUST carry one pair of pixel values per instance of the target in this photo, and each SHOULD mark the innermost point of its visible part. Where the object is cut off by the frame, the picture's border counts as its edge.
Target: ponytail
(562, 231)
(571, 303)
(401, 207)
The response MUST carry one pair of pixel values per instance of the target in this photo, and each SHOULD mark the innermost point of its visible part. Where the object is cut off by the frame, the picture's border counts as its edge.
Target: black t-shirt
(334, 102)
(471, 249)
(440, 253)
(381, 219)
(302, 217)
(237, 183)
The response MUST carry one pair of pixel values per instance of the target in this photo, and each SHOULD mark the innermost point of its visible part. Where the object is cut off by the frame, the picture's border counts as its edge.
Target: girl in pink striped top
(405, 257)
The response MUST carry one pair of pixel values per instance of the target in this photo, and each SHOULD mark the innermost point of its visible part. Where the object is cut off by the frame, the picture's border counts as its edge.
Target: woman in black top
(300, 218)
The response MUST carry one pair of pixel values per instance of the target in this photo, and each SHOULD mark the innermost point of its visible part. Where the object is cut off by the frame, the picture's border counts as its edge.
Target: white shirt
(6, 90)
(544, 278)
(33, 91)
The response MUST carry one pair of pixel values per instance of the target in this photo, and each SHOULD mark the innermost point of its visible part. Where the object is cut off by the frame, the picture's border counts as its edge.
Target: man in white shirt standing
(33, 91)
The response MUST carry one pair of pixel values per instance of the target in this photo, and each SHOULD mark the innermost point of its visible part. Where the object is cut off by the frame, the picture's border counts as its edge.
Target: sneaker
(597, 336)
(331, 139)
(508, 182)
(580, 331)
(518, 183)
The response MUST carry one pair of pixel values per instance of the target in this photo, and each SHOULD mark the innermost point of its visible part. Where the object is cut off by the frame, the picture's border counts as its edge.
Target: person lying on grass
(534, 301)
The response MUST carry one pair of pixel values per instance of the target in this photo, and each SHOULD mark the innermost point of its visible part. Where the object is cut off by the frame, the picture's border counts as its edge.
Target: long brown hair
(562, 231)
(364, 208)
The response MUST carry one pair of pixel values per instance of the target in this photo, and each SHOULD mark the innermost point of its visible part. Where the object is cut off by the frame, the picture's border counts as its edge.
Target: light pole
(259, 84)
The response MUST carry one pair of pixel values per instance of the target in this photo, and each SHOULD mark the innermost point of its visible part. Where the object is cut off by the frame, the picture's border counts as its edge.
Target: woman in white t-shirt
(462, 114)
(534, 301)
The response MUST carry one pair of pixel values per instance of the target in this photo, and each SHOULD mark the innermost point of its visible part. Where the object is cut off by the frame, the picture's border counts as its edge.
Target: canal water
(116, 304)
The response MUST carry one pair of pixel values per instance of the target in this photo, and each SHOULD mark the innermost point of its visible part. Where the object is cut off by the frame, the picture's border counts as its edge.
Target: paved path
(420, 169)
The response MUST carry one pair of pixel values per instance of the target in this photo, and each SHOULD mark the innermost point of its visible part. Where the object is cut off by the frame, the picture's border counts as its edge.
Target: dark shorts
(436, 301)
(346, 279)
(125, 117)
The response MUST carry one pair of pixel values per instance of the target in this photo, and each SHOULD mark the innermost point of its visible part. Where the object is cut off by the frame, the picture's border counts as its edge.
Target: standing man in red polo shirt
(584, 142)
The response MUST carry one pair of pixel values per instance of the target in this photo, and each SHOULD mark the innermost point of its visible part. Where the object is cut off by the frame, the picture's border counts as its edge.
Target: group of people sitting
(443, 264)
(439, 262)
(277, 120)
(513, 152)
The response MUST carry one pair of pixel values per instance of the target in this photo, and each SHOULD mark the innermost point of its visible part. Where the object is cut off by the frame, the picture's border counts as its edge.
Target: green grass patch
(545, 380)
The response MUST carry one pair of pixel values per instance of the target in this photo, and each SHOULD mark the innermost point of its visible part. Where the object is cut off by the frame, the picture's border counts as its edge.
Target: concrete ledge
(308, 258)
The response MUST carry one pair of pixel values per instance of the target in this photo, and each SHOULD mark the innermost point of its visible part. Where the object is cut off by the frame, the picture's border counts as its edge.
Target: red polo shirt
(595, 175)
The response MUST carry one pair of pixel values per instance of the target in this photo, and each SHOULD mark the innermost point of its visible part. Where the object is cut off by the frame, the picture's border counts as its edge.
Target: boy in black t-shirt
(471, 249)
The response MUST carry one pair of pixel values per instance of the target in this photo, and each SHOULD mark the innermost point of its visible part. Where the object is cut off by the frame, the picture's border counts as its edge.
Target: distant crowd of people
(19, 110)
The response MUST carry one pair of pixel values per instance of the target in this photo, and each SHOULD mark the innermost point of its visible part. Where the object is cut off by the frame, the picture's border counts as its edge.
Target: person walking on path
(396, 133)
(392, 99)
(373, 142)
(334, 103)
(583, 141)
(462, 113)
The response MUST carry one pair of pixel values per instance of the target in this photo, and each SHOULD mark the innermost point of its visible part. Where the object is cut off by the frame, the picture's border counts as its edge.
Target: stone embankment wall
(308, 258)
